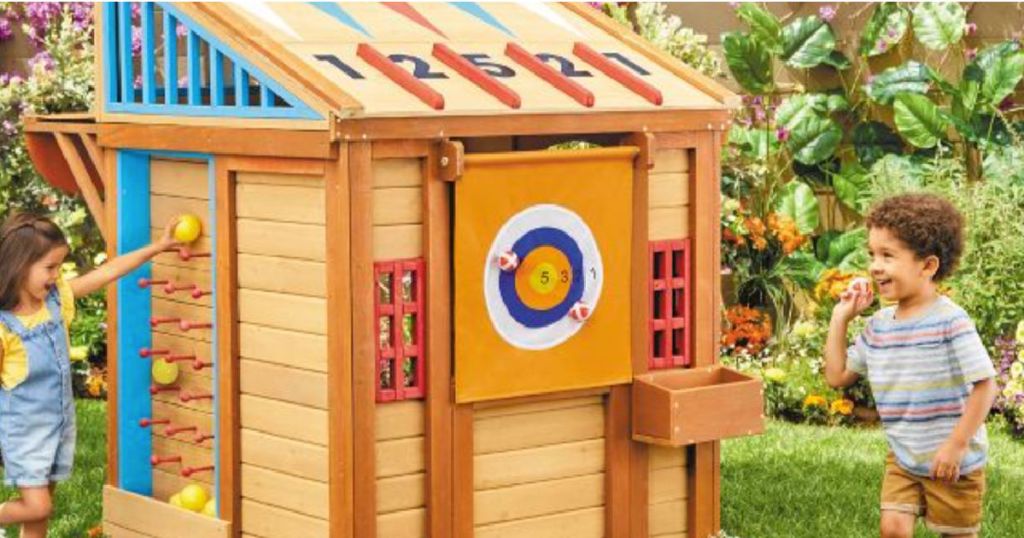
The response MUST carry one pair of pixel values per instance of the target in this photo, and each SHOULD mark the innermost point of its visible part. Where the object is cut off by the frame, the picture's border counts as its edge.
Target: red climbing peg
(156, 389)
(200, 437)
(173, 287)
(146, 282)
(185, 255)
(189, 471)
(156, 322)
(187, 325)
(199, 365)
(186, 397)
(146, 352)
(198, 293)
(179, 358)
(147, 422)
(171, 432)
(155, 460)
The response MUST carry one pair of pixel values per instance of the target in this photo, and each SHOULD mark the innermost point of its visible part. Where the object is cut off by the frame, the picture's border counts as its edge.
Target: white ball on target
(580, 311)
(508, 261)
(859, 285)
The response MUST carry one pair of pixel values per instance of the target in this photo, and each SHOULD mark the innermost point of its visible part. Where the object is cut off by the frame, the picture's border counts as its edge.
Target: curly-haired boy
(930, 374)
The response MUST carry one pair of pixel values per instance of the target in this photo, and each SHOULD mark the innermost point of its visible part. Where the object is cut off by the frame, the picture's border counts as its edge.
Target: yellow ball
(165, 373)
(211, 508)
(176, 500)
(188, 229)
(193, 497)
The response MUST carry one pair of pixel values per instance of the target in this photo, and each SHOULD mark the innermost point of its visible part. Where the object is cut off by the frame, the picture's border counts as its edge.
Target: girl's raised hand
(167, 240)
(856, 299)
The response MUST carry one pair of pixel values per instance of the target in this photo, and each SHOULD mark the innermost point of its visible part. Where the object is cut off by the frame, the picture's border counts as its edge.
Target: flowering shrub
(748, 330)
(1010, 379)
(666, 32)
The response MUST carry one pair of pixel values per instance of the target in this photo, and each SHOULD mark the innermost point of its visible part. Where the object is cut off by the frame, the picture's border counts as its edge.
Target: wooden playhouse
(406, 315)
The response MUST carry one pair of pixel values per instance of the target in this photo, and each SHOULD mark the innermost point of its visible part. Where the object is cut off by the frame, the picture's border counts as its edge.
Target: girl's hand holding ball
(857, 298)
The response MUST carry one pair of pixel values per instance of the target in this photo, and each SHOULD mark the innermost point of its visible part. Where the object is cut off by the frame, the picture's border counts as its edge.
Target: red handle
(200, 437)
(156, 322)
(154, 389)
(172, 287)
(146, 353)
(199, 365)
(187, 325)
(160, 460)
(185, 255)
(147, 422)
(145, 282)
(189, 471)
(179, 358)
(186, 397)
(178, 429)
(199, 294)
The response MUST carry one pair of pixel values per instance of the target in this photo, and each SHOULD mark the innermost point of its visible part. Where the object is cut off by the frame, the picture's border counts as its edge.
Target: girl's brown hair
(24, 239)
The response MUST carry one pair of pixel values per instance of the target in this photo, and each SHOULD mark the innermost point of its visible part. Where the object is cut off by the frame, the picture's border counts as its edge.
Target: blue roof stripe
(342, 16)
(479, 12)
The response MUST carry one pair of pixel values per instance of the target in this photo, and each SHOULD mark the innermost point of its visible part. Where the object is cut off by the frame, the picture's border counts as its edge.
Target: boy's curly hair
(928, 224)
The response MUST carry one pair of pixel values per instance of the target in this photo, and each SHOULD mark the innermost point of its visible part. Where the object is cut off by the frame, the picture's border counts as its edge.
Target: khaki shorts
(948, 508)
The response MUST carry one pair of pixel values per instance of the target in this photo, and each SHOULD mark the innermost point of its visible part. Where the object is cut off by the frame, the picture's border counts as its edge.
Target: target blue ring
(538, 237)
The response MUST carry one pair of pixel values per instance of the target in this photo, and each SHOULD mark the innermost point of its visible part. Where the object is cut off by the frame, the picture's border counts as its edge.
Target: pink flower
(970, 28)
(183, 82)
(138, 82)
(42, 58)
(180, 30)
(136, 40)
(5, 29)
(827, 13)
(970, 54)
(782, 134)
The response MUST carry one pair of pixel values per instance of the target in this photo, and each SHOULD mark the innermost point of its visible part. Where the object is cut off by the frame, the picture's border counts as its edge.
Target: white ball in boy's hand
(859, 285)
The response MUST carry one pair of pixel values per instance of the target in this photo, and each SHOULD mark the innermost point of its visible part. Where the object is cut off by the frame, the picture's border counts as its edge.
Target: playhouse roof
(395, 59)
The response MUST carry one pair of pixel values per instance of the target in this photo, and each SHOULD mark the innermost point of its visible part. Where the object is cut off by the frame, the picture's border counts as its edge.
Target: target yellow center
(543, 278)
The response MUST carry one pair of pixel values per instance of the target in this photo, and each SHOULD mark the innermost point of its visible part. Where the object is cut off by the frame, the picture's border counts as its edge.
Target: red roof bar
(476, 75)
(553, 76)
(617, 72)
(400, 76)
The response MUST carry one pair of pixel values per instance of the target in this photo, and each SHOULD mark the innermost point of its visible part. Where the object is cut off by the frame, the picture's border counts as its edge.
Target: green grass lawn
(78, 505)
(803, 481)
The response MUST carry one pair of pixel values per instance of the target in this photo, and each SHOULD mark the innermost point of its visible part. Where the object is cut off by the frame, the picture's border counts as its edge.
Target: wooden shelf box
(687, 406)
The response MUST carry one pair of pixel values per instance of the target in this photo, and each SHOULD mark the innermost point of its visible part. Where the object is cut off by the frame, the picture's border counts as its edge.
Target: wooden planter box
(683, 407)
(127, 515)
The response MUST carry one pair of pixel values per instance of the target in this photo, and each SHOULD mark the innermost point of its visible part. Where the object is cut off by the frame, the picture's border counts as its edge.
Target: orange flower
(833, 283)
(749, 329)
(841, 406)
(786, 231)
(756, 228)
(814, 400)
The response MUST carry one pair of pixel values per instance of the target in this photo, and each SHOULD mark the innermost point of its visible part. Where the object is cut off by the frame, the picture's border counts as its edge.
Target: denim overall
(37, 417)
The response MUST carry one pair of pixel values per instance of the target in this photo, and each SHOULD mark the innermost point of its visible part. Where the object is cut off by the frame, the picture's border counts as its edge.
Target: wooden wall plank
(537, 407)
(667, 485)
(283, 419)
(293, 385)
(268, 521)
(400, 457)
(400, 205)
(283, 347)
(389, 173)
(397, 242)
(163, 208)
(288, 456)
(307, 497)
(399, 493)
(513, 432)
(670, 189)
(137, 513)
(282, 275)
(399, 420)
(405, 524)
(586, 523)
(281, 311)
(281, 203)
(266, 177)
(284, 239)
(186, 179)
(539, 464)
(539, 499)
(668, 517)
(668, 223)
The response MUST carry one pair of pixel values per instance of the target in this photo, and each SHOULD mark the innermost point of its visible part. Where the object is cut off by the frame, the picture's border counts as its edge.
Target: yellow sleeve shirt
(15, 360)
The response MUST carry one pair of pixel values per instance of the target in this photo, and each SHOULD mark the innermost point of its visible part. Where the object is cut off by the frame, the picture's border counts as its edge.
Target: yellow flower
(94, 385)
(775, 375)
(841, 406)
(813, 400)
(804, 329)
(1008, 392)
(68, 270)
(1017, 369)
(1020, 332)
(79, 353)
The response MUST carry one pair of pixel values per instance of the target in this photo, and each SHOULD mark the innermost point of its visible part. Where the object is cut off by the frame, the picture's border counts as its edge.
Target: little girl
(37, 410)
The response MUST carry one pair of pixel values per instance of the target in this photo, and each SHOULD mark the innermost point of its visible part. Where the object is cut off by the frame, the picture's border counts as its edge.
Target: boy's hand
(167, 240)
(856, 299)
(946, 464)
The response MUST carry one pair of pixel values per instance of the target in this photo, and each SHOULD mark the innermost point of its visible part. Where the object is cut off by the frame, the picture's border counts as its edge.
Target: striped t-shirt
(921, 371)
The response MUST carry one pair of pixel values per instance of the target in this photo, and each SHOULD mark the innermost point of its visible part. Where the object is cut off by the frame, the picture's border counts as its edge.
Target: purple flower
(5, 29)
(892, 33)
(181, 30)
(136, 40)
(138, 82)
(9, 128)
(970, 28)
(827, 13)
(42, 58)
(183, 82)
(759, 114)
(136, 11)
(881, 45)
(4, 78)
(15, 80)
(970, 54)
(782, 134)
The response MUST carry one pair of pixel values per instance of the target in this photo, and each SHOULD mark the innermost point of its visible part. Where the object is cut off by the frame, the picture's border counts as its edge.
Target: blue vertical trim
(170, 60)
(266, 96)
(195, 77)
(148, 54)
(124, 30)
(134, 308)
(241, 86)
(342, 16)
(479, 12)
(110, 63)
(216, 77)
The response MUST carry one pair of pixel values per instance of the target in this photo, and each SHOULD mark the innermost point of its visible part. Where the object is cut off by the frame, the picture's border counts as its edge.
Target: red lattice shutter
(398, 304)
(669, 339)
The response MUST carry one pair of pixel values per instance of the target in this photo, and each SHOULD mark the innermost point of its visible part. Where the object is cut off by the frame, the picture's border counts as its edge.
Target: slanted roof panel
(327, 37)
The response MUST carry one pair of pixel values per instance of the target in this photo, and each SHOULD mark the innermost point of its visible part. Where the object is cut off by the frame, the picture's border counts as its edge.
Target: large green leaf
(838, 60)
(802, 268)
(842, 247)
(938, 25)
(851, 186)
(755, 143)
(749, 62)
(1002, 67)
(807, 42)
(920, 122)
(885, 29)
(911, 77)
(764, 26)
(873, 139)
(813, 136)
(797, 201)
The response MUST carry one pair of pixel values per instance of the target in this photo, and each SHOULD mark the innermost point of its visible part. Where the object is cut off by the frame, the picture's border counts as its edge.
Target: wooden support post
(110, 165)
(452, 162)
(440, 405)
(618, 469)
(462, 470)
(229, 467)
(339, 352)
(364, 338)
(84, 181)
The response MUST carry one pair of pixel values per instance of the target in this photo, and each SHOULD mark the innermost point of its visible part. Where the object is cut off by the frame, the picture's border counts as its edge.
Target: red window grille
(669, 341)
(398, 305)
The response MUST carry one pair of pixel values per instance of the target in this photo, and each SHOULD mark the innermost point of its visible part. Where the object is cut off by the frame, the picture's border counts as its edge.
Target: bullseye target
(543, 268)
